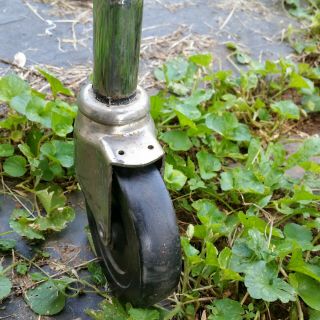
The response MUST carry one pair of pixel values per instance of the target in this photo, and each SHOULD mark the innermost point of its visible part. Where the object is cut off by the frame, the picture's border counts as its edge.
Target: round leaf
(15, 166)
(307, 288)
(286, 109)
(177, 140)
(263, 283)
(46, 299)
(6, 150)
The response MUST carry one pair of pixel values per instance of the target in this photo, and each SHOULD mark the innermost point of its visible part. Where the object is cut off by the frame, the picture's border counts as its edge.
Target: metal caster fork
(118, 163)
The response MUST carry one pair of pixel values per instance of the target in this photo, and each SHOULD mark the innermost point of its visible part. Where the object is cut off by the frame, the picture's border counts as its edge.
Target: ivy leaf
(307, 288)
(7, 244)
(286, 109)
(177, 140)
(12, 86)
(144, 314)
(175, 179)
(46, 299)
(226, 309)
(15, 166)
(56, 85)
(5, 287)
(6, 150)
(263, 283)
(208, 165)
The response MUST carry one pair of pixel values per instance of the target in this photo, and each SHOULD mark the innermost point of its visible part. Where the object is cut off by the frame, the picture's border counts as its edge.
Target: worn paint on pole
(117, 38)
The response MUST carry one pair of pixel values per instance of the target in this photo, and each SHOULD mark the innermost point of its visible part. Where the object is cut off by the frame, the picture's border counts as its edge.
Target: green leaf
(263, 283)
(157, 103)
(191, 253)
(177, 140)
(5, 287)
(110, 310)
(21, 223)
(6, 150)
(309, 148)
(56, 85)
(46, 299)
(226, 309)
(228, 126)
(314, 314)
(97, 274)
(175, 69)
(15, 166)
(307, 288)
(299, 265)
(25, 150)
(59, 151)
(175, 179)
(37, 276)
(51, 198)
(7, 244)
(226, 181)
(211, 255)
(286, 109)
(57, 220)
(203, 60)
(19, 103)
(242, 58)
(208, 165)
(38, 111)
(12, 86)
(298, 82)
(299, 234)
(62, 117)
(243, 180)
(22, 268)
(143, 314)
(222, 124)
(208, 213)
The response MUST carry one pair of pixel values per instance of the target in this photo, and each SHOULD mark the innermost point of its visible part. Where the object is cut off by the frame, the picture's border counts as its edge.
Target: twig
(229, 17)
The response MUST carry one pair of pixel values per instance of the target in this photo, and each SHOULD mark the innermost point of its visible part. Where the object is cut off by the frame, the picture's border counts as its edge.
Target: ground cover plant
(250, 231)
(244, 182)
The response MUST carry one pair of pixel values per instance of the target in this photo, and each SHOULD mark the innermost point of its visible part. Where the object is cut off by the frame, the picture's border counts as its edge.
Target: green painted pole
(117, 38)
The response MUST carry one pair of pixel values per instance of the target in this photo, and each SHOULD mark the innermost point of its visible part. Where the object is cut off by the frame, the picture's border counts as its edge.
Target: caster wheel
(142, 262)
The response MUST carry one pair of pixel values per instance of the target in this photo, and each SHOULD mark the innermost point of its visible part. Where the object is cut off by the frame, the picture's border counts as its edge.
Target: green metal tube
(117, 38)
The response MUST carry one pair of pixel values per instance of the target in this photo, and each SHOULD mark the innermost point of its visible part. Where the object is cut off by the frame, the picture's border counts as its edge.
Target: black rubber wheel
(143, 261)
